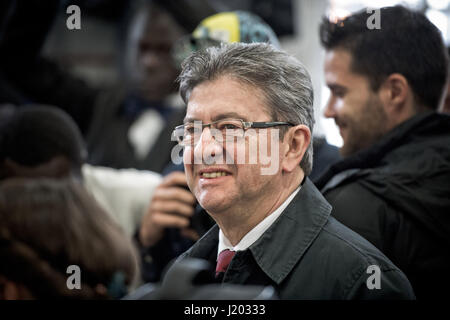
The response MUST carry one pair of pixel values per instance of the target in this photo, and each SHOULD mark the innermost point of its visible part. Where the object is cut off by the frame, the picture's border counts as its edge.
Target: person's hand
(171, 207)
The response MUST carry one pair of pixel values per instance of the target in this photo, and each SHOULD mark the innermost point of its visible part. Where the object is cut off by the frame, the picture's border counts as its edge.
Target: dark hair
(46, 226)
(406, 43)
(32, 135)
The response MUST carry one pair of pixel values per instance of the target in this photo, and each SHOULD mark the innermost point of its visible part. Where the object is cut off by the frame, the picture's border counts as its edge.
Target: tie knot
(224, 260)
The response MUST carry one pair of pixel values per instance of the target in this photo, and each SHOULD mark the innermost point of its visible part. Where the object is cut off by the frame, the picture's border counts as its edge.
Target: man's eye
(338, 93)
(229, 126)
(189, 129)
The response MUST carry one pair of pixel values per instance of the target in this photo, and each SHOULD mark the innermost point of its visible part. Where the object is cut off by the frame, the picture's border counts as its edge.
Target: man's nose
(150, 59)
(207, 145)
(330, 109)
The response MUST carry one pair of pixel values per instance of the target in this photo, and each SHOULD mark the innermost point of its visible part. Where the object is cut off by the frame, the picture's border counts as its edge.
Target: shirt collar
(253, 235)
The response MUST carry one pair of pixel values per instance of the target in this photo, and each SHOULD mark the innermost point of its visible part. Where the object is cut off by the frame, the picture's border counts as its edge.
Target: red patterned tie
(224, 260)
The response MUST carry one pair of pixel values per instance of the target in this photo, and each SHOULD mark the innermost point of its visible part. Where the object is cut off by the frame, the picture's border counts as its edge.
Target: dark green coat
(306, 254)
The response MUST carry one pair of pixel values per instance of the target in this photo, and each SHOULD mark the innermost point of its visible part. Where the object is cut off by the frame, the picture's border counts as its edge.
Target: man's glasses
(225, 130)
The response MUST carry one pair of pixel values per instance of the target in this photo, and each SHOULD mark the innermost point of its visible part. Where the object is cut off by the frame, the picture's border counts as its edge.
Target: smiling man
(393, 186)
(272, 229)
(356, 109)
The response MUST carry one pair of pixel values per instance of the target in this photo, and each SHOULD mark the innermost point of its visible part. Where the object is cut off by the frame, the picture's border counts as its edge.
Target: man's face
(151, 70)
(226, 98)
(357, 110)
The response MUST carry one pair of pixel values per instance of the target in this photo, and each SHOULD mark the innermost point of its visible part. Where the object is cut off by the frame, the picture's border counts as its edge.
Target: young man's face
(355, 107)
(226, 98)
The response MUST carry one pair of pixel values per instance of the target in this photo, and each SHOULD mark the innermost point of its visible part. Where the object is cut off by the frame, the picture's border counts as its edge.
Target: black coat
(306, 254)
(396, 194)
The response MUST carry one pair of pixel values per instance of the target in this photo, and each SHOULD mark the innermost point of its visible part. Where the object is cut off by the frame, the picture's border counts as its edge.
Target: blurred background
(93, 53)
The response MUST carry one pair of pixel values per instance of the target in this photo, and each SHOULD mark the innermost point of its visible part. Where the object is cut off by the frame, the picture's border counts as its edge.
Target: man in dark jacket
(163, 235)
(393, 187)
(273, 226)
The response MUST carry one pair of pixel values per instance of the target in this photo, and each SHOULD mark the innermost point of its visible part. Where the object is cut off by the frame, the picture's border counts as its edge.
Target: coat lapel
(282, 246)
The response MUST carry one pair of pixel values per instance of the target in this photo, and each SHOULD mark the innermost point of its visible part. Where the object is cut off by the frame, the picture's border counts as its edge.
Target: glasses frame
(245, 126)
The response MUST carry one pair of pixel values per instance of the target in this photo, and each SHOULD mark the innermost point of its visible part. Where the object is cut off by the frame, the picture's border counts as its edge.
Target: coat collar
(280, 248)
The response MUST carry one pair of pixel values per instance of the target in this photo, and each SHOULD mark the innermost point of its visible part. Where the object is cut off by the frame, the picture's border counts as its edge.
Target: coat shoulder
(358, 261)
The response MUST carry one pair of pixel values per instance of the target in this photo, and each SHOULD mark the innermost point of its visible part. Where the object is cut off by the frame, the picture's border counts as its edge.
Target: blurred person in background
(127, 126)
(132, 124)
(43, 141)
(48, 225)
(393, 185)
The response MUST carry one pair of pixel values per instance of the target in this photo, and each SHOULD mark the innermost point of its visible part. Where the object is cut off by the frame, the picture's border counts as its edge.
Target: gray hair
(284, 81)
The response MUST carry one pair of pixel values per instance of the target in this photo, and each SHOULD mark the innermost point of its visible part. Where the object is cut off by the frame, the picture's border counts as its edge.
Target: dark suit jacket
(307, 254)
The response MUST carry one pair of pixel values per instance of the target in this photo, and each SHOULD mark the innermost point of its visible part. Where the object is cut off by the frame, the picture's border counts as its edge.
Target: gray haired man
(272, 229)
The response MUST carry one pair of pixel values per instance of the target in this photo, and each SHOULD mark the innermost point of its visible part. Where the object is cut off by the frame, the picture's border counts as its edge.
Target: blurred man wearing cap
(225, 27)
(393, 186)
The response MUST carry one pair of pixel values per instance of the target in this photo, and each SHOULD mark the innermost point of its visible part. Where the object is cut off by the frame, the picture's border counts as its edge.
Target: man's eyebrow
(334, 86)
(227, 115)
(189, 120)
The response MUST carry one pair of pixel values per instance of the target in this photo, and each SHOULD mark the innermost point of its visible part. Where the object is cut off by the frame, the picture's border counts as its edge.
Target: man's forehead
(338, 59)
(218, 116)
(216, 110)
(226, 97)
(338, 69)
(342, 52)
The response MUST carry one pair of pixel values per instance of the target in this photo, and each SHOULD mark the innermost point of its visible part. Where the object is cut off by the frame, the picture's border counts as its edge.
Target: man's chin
(212, 203)
(349, 148)
(346, 150)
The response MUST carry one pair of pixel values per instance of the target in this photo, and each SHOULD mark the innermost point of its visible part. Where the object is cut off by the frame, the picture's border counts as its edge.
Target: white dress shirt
(257, 231)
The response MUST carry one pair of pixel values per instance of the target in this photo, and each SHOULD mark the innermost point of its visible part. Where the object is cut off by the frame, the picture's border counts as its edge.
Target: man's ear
(397, 98)
(296, 142)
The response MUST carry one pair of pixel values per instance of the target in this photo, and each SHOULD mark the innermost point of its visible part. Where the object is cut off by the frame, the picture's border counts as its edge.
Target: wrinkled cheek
(188, 157)
(189, 166)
